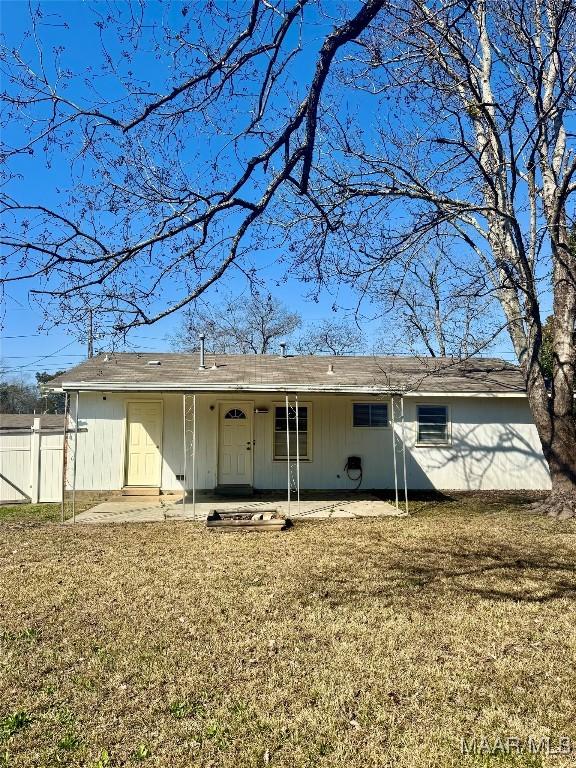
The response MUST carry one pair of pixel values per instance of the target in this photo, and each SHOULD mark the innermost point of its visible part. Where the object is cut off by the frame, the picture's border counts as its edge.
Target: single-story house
(163, 422)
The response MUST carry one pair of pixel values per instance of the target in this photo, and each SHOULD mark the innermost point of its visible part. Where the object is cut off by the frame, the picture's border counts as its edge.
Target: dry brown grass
(355, 643)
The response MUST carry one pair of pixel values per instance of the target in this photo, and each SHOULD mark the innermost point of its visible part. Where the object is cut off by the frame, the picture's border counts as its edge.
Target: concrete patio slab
(314, 506)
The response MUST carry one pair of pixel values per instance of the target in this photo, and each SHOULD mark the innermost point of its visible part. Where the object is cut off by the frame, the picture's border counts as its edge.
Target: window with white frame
(433, 424)
(280, 432)
(370, 414)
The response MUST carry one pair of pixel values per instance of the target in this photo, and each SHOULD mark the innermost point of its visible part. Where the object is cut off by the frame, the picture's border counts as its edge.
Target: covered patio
(312, 506)
(293, 502)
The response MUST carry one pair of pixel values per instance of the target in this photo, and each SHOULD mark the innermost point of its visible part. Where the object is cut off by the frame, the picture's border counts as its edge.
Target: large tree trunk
(559, 443)
(555, 421)
(560, 453)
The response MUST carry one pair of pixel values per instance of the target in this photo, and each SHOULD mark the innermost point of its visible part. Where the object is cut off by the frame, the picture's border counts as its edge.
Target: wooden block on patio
(246, 520)
(274, 524)
(224, 514)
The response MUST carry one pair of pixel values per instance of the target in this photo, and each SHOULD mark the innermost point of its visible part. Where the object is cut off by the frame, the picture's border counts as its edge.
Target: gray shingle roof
(19, 421)
(180, 371)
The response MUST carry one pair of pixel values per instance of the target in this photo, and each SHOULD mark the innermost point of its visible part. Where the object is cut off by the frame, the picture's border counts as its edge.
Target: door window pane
(235, 413)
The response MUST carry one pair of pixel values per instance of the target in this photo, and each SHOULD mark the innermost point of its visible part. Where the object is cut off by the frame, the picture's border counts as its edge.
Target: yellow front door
(144, 441)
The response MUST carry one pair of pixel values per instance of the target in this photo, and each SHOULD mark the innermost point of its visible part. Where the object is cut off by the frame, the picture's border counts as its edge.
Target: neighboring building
(466, 425)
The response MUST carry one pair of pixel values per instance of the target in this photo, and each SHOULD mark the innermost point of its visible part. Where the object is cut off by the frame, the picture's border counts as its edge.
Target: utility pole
(90, 334)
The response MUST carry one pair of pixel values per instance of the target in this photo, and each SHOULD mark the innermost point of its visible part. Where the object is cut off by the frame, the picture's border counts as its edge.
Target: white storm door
(235, 444)
(144, 440)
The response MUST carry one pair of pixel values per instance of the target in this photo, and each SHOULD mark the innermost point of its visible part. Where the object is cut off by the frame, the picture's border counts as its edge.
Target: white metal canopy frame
(399, 445)
(289, 465)
(66, 453)
(189, 445)
(189, 450)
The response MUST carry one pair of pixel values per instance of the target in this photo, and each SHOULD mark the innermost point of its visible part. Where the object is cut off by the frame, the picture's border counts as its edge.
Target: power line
(52, 354)
(23, 336)
(27, 357)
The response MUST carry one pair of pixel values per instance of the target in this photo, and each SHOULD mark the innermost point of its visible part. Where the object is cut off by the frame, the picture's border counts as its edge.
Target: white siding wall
(494, 444)
(100, 457)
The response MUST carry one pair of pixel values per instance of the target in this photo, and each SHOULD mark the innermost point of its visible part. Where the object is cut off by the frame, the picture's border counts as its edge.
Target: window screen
(370, 415)
(432, 424)
(280, 442)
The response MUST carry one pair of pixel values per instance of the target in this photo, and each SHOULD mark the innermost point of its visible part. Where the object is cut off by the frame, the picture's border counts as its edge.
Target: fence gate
(31, 462)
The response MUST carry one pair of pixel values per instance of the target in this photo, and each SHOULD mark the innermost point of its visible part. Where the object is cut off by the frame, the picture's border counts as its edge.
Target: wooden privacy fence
(31, 458)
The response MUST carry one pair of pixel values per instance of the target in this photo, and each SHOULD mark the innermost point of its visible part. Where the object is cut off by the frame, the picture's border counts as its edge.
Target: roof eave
(191, 387)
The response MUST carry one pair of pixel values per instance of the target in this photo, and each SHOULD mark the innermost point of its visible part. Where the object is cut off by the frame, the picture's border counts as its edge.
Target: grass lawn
(358, 644)
(40, 513)
(30, 513)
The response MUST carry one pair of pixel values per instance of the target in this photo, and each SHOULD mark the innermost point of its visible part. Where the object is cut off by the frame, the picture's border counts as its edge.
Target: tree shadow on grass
(505, 574)
(498, 573)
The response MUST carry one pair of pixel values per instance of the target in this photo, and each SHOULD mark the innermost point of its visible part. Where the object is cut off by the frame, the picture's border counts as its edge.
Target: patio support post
(297, 456)
(64, 453)
(194, 457)
(394, 451)
(403, 428)
(288, 449)
(75, 456)
(185, 447)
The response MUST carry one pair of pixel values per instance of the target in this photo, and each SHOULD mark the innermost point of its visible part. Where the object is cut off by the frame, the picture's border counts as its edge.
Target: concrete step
(234, 490)
(140, 490)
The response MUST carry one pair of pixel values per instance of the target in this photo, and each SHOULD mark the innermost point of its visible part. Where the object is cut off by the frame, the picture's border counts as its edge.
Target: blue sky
(26, 349)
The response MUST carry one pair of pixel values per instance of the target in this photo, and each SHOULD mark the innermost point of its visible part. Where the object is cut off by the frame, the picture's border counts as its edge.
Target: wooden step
(140, 490)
